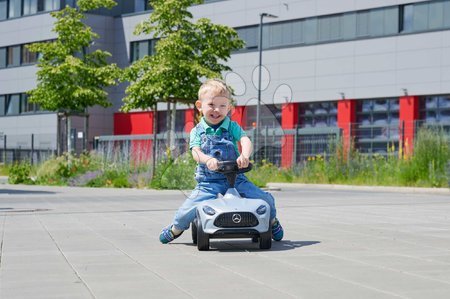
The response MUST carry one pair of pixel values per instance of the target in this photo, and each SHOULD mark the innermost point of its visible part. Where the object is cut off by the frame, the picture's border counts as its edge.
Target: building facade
(373, 71)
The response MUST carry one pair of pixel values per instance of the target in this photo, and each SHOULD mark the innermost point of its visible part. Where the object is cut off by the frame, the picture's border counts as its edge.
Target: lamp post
(258, 105)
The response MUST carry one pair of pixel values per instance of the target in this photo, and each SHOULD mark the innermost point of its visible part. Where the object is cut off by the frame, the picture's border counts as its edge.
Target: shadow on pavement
(12, 191)
(248, 245)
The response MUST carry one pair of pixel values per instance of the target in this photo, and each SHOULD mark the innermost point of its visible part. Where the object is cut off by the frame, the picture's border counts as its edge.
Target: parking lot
(339, 243)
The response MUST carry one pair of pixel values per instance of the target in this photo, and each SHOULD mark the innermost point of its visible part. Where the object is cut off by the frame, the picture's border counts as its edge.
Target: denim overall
(211, 183)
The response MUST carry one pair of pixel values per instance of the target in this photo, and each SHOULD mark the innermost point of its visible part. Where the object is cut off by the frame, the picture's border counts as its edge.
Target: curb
(281, 186)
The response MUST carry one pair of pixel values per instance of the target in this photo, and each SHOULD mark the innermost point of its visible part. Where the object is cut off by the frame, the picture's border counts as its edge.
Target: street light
(258, 106)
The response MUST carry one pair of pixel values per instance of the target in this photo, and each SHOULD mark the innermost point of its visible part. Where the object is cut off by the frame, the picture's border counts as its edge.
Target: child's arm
(202, 158)
(247, 148)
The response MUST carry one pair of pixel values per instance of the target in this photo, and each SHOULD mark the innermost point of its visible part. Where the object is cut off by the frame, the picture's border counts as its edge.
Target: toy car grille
(238, 219)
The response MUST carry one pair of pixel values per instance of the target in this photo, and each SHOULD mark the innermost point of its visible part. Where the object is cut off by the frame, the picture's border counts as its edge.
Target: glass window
(12, 104)
(297, 32)
(2, 105)
(320, 114)
(435, 15)
(27, 56)
(348, 26)
(270, 116)
(50, 5)
(420, 17)
(249, 36)
(15, 8)
(391, 19)
(376, 21)
(3, 10)
(2, 58)
(25, 105)
(140, 5)
(447, 14)
(30, 7)
(362, 23)
(13, 56)
(310, 31)
(407, 18)
(275, 35)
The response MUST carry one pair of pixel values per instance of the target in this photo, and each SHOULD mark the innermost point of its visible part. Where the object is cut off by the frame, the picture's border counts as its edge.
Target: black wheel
(265, 240)
(255, 239)
(194, 231)
(202, 238)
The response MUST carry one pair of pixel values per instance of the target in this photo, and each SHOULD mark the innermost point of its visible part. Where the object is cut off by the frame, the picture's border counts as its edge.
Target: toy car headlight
(208, 210)
(261, 210)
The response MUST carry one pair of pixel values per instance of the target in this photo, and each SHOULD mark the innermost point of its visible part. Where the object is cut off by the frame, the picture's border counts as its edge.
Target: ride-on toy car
(232, 216)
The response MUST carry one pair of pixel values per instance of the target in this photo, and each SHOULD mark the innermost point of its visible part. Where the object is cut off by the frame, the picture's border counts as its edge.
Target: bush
(175, 173)
(19, 173)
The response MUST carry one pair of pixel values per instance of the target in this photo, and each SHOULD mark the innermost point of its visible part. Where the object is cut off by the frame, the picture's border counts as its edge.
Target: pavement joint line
(65, 258)
(391, 253)
(135, 260)
(3, 238)
(380, 237)
(238, 273)
(337, 278)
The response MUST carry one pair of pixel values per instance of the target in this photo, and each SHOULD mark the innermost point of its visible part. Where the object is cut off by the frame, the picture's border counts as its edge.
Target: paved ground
(102, 243)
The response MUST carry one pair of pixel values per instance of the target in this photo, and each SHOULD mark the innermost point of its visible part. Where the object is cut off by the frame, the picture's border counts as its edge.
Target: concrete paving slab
(59, 242)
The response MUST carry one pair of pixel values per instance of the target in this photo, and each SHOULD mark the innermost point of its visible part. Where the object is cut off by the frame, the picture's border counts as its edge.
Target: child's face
(213, 107)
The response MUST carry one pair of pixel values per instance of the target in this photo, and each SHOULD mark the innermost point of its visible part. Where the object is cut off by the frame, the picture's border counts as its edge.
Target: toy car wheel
(265, 240)
(202, 239)
(194, 231)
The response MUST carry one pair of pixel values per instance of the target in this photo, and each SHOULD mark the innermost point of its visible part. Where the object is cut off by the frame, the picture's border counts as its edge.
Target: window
(270, 116)
(406, 18)
(2, 58)
(15, 8)
(140, 5)
(378, 125)
(30, 7)
(435, 109)
(2, 105)
(13, 56)
(12, 104)
(25, 105)
(142, 48)
(179, 123)
(320, 114)
(27, 56)
(50, 5)
(249, 35)
(436, 15)
(3, 9)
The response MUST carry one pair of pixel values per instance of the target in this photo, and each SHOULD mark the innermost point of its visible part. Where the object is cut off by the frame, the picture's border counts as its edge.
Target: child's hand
(212, 164)
(242, 161)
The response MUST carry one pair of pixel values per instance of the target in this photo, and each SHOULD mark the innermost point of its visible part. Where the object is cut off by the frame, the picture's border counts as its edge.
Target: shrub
(19, 173)
(175, 173)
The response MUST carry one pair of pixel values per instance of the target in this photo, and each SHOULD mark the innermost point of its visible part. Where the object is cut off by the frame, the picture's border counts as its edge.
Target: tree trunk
(169, 126)
(69, 141)
(173, 119)
(155, 127)
(86, 131)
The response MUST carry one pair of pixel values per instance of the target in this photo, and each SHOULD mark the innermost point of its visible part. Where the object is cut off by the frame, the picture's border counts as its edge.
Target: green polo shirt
(227, 125)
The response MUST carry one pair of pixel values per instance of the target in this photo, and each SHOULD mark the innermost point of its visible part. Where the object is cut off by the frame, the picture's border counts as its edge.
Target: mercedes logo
(236, 218)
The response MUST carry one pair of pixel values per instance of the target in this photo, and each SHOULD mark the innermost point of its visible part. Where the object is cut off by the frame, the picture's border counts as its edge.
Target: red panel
(133, 123)
(289, 120)
(189, 120)
(345, 118)
(239, 115)
(409, 113)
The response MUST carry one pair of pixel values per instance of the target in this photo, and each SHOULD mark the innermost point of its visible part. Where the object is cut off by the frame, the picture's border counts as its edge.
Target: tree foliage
(70, 78)
(185, 53)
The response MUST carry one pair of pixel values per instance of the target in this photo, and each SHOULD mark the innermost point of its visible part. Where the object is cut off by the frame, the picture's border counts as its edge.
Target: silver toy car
(232, 216)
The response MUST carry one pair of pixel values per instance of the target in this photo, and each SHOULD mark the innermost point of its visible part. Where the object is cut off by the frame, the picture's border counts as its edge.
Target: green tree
(185, 53)
(70, 77)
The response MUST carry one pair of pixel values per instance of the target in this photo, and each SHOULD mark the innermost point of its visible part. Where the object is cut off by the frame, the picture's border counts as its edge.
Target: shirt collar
(223, 127)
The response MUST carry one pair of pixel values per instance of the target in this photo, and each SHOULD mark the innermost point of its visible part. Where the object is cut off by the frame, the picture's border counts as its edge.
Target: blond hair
(216, 87)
